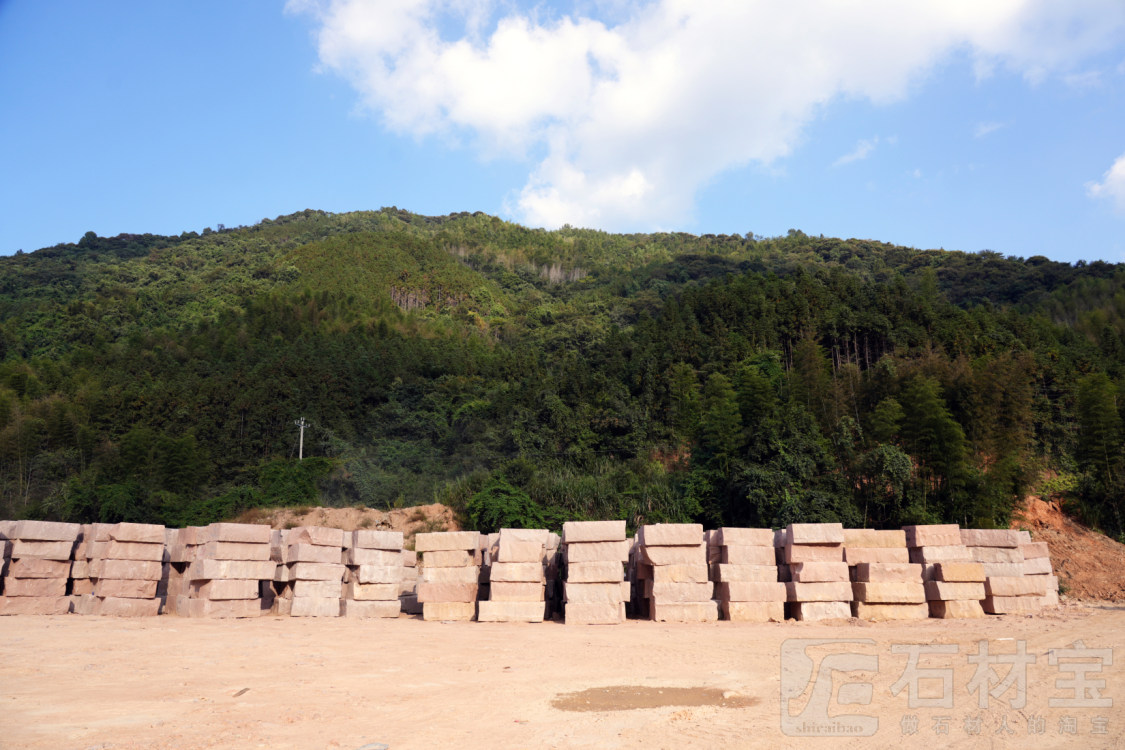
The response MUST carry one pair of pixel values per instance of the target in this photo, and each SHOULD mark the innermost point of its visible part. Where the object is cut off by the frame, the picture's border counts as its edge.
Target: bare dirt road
(81, 682)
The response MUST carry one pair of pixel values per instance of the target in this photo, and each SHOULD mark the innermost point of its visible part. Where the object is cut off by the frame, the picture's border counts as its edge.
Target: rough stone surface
(936, 554)
(890, 612)
(819, 592)
(799, 553)
(34, 567)
(813, 611)
(591, 613)
(377, 539)
(592, 593)
(311, 606)
(470, 574)
(206, 570)
(858, 555)
(367, 556)
(228, 608)
(875, 538)
(515, 551)
(515, 591)
(751, 591)
(124, 589)
(452, 558)
(670, 534)
(140, 570)
(954, 591)
(327, 589)
(46, 550)
(36, 587)
(447, 540)
(679, 592)
(447, 592)
(46, 531)
(753, 611)
(877, 572)
(959, 572)
(593, 531)
(684, 611)
(597, 552)
(239, 533)
(114, 550)
(141, 533)
(1035, 550)
(956, 609)
(508, 611)
(1004, 605)
(370, 592)
(815, 533)
(753, 573)
(997, 554)
(1016, 586)
(449, 611)
(313, 553)
(321, 572)
(933, 535)
(234, 550)
(112, 606)
(731, 536)
(34, 605)
(518, 572)
(595, 572)
(739, 554)
(816, 572)
(319, 536)
(1037, 566)
(370, 609)
(688, 573)
(990, 538)
(393, 574)
(889, 592)
(1006, 569)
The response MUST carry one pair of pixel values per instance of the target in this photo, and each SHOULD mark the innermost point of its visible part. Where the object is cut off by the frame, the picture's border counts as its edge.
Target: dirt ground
(84, 682)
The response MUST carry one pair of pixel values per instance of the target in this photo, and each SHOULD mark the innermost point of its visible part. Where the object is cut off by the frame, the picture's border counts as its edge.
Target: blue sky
(930, 124)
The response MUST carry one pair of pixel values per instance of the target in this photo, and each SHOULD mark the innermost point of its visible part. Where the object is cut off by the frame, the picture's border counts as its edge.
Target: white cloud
(861, 151)
(986, 128)
(629, 116)
(1112, 186)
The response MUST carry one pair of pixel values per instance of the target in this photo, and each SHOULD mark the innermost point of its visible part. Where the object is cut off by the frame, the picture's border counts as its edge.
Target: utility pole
(301, 449)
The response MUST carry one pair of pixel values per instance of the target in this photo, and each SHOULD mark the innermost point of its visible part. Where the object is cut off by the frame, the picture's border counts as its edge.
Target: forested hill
(524, 376)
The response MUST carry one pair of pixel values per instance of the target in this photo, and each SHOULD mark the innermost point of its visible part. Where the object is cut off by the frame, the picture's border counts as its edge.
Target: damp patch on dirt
(633, 697)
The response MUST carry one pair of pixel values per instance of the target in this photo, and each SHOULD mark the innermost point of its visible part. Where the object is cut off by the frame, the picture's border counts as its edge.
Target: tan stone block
(840, 591)
(743, 555)
(507, 591)
(447, 540)
(509, 611)
(365, 556)
(457, 558)
(890, 612)
(1001, 570)
(815, 611)
(990, 538)
(329, 589)
(226, 589)
(593, 531)
(370, 609)
(447, 592)
(730, 536)
(595, 572)
(318, 536)
(46, 531)
(234, 550)
(956, 610)
(447, 575)
(878, 572)
(140, 533)
(1013, 586)
(696, 573)
(1051, 599)
(931, 555)
(592, 593)
(816, 572)
(753, 611)
(221, 609)
(594, 613)
(36, 567)
(518, 572)
(959, 572)
(449, 611)
(1052, 583)
(674, 555)
(389, 574)
(815, 533)
(954, 591)
(111, 606)
(934, 535)
(881, 555)
(140, 570)
(46, 550)
(208, 570)
(520, 552)
(1004, 605)
(314, 553)
(1035, 550)
(670, 534)
(997, 554)
(383, 539)
(38, 587)
(323, 572)
(113, 550)
(410, 558)
(311, 606)
(889, 592)
(679, 592)
(751, 573)
(82, 586)
(124, 589)
(597, 552)
(1037, 566)
(751, 591)
(875, 538)
(800, 553)
(684, 611)
(34, 605)
(237, 533)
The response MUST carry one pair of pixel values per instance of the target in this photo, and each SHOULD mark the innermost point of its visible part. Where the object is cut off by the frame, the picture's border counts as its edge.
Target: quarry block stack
(673, 564)
(594, 556)
(746, 576)
(126, 564)
(374, 575)
(885, 584)
(820, 586)
(315, 571)
(517, 578)
(227, 562)
(450, 579)
(39, 568)
(954, 583)
(1006, 589)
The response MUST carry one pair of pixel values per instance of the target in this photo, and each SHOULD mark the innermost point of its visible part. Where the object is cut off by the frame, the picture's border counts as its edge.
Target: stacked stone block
(518, 578)
(450, 580)
(375, 573)
(228, 561)
(1006, 588)
(955, 590)
(677, 578)
(594, 555)
(315, 571)
(747, 586)
(1037, 562)
(931, 544)
(820, 587)
(885, 584)
(126, 564)
(39, 568)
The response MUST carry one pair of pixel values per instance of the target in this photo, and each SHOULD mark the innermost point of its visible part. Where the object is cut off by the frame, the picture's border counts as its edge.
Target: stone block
(737, 554)
(140, 533)
(1051, 599)
(454, 558)
(889, 592)
(1016, 586)
(234, 550)
(996, 554)
(956, 609)
(879, 572)
(390, 574)
(225, 608)
(875, 538)
(594, 613)
(959, 572)
(670, 535)
(124, 589)
(1039, 566)
(684, 611)
(82, 586)
(508, 611)
(819, 592)
(447, 592)
(1000, 570)
(751, 573)
(815, 533)
(323, 572)
(331, 589)
(815, 611)
(687, 555)
(8, 529)
(1005, 605)
(377, 539)
(730, 536)
(37, 587)
(751, 591)
(409, 558)
(890, 612)
(111, 606)
(236, 533)
(690, 573)
(207, 570)
(314, 553)
(599, 552)
(36, 567)
(366, 556)
(678, 592)
(34, 605)
(592, 593)
(799, 553)
(518, 572)
(954, 591)
(858, 555)
(593, 531)
(114, 550)
(931, 555)
(442, 575)
(1035, 550)
(449, 611)
(364, 610)
(933, 535)
(225, 589)
(990, 538)
(440, 541)
(595, 572)
(45, 550)
(311, 606)
(508, 591)
(318, 536)
(46, 531)
(752, 611)
(140, 570)
(816, 572)
(520, 552)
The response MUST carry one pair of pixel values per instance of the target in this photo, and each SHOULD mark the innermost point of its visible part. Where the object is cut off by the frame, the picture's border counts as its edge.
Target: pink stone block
(751, 573)
(670, 534)
(82, 586)
(139, 570)
(328, 589)
(878, 572)
(694, 555)
(592, 593)
(997, 554)
(858, 555)
(309, 606)
(46, 531)
(890, 612)
(931, 555)
(518, 572)
(753, 611)
(365, 556)
(510, 551)
(1004, 605)
(114, 550)
(800, 553)
(595, 572)
(35, 567)
(447, 592)
(875, 538)
(684, 611)
(688, 573)
(751, 591)
(889, 592)
(227, 608)
(990, 538)
(816, 611)
(226, 589)
(313, 553)
(744, 555)
(594, 613)
(508, 611)
(363, 592)
(1035, 550)
(318, 536)
(238, 533)
(377, 539)
(504, 591)
(954, 591)
(1007, 569)
(956, 609)
(140, 533)
(36, 587)
(447, 540)
(34, 605)
(1037, 566)
(679, 592)
(321, 572)
(1013, 586)
(206, 570)
(451, 558)
(235, 550)
(593, 531)
(46, 550)
(445, 575)
(959, 572)
(449, 611)
(815, 533)
(815, 572)
(600, 552)
(730, 536)
(124, 589)
(935, 535)
(365, 610)
(820, 592)
(110, 606)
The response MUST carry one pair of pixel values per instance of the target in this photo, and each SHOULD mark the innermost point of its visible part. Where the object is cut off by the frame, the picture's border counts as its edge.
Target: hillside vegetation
(526, 376)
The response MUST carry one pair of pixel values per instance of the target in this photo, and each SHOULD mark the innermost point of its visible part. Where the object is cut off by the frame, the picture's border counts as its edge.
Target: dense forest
(527, 376)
